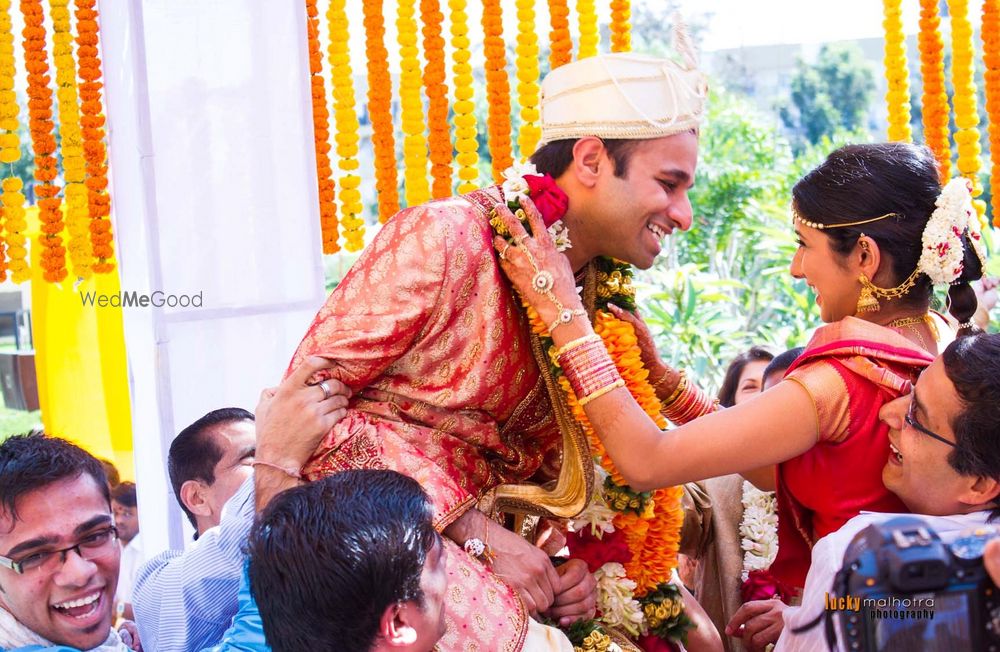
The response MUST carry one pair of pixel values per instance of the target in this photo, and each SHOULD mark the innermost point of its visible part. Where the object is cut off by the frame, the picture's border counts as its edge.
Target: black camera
(902, 588)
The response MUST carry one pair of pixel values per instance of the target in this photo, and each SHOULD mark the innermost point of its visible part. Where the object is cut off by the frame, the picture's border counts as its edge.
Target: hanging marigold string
(380, 110)
(346, 119)
(897, 96)
(438, 131)
(321, 136)
(965, 98)
(935, 99)
(43, 142)
(561, 43)
(990, 30)
(527, 78)
(92, 128)
(497, 88)
(414, 144)
(466, 145)
(621, 30)
(71, 143)
(586, 12)
(13, 253)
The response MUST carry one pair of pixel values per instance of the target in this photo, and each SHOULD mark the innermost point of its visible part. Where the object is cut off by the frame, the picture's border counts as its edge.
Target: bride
(876, 231)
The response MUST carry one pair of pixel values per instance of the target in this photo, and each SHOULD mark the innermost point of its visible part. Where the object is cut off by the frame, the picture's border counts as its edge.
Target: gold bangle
(601, 392)
(681, 386)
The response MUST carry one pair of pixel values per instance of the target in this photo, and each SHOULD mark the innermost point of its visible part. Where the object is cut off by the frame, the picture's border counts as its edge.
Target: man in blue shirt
(183, 600)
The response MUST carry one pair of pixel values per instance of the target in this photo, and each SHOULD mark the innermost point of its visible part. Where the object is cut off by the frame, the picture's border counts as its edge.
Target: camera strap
(840, 584)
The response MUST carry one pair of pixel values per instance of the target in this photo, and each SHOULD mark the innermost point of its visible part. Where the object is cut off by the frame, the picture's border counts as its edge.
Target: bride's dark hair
(857, 182)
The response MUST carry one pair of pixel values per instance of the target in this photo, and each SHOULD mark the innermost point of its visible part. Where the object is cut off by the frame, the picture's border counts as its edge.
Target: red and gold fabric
(427, 333)
(850, 369)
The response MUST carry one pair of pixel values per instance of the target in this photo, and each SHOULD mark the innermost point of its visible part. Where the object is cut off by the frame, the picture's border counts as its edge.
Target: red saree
(850, 369)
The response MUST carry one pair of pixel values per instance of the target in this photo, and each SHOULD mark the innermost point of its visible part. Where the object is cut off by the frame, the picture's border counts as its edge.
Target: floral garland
(560, 42)
(466, 144)
(439, 136)
(527, 76)
(638, 531)
(965, 98)
(587, 20)
(990, 31)
(380, 110)
(943, 251)
(14, 224)
(71, 143)
(321, 136)
(897, 96)
(497, 88)
(43, 142)
(935, 98)
(346, 118)
(417, 190)
(758, 529)
(621, 39)
(92, 128)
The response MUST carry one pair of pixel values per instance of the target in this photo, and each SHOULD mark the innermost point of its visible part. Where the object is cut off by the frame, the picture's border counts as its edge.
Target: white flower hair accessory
(942, 250)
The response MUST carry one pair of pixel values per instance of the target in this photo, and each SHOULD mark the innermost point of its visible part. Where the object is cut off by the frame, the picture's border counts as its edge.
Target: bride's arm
(773, 427)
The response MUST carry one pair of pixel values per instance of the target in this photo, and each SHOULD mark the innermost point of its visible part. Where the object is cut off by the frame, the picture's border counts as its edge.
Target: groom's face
(636, 212)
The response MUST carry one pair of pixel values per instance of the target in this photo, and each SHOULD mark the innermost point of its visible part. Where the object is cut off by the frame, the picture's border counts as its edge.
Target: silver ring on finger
(503, 252)
(326, 390)
(520, 239)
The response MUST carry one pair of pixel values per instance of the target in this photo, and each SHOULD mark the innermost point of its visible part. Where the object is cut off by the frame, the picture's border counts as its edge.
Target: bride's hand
(529, 262)
(647, 347)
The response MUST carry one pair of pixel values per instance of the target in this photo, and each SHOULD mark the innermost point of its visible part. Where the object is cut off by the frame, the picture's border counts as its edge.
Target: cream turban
(622, 95)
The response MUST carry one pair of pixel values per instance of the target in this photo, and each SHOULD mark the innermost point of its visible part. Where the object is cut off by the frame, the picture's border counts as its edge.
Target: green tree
(832, 94)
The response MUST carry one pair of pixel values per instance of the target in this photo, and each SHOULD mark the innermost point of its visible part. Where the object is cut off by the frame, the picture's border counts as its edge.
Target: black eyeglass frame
(912, 422)
(18, 566)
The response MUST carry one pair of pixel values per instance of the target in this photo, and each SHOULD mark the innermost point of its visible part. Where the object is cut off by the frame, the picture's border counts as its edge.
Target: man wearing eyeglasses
(59, 552)
(944, 464)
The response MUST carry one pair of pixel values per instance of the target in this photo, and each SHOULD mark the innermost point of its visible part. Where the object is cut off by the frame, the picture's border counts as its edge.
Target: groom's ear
(589, 156)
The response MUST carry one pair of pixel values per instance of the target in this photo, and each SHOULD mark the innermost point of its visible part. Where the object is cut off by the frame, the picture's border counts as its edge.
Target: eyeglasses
(912, 421)
(93, 546)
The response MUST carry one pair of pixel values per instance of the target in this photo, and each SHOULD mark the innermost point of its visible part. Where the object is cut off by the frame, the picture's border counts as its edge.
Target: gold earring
(866, 300)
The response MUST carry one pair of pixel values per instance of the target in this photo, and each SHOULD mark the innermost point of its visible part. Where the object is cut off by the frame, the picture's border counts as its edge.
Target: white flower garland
(616, 600)
(942, 248)
(758, 529)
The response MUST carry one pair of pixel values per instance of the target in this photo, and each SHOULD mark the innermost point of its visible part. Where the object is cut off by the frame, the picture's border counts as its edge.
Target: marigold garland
(497, 88)
(990, 31)
(71, 142)
(965, 98)
(92, 129)
(12, 199)
(527, 77)
(586, 12)
(321, 136)
(43, 142)
(466, 145)
(438, 131)
(380, 110)
(416, 188)
(897, 96)
(621, 37)
(346, 118)
(560, 42)
(935, 98)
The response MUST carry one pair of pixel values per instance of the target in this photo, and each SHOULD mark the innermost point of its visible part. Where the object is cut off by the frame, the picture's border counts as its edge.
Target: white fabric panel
(213, 191)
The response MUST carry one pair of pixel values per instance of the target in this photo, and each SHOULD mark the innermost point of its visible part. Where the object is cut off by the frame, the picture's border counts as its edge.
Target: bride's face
(829, 274)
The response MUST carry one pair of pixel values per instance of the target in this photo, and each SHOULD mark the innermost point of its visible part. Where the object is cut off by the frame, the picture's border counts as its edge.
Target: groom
(448, 387)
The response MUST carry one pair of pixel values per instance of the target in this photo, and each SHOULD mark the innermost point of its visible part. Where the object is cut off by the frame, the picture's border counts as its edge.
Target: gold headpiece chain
(817, 225)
